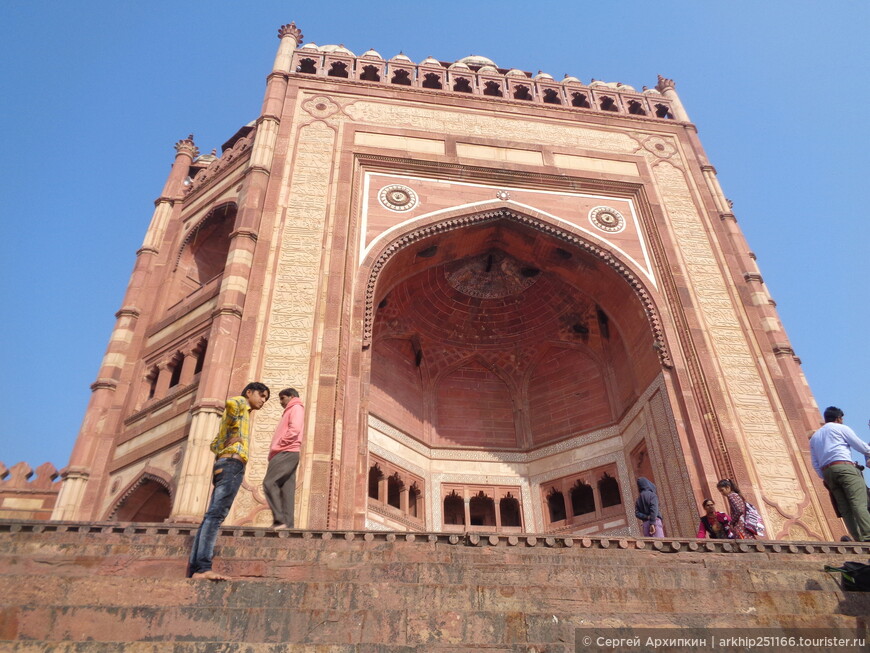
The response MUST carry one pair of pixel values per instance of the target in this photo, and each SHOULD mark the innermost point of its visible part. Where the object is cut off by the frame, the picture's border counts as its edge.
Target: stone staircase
(107, 587)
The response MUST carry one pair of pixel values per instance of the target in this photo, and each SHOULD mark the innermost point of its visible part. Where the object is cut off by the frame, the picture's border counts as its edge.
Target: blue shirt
(832, 442)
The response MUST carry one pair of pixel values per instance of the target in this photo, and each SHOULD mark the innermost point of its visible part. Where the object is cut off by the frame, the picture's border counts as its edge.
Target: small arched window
(454, 509)
(522, 93)
(580, 100)
(306, 66)
(551, 96)
(413, 499)
(481, 510)
(635, 108)
(432, 80)
(509, 511)
(401, 77)
(176, 365)
(394, 490)
(556, 504)
(375, 476)
(370, 74)
(337, 69)
(462, 85)
(151, 380)
(608, 104)
(608, 490)
(200, 350)
(664, 111)
(582, 499)
(493, 89)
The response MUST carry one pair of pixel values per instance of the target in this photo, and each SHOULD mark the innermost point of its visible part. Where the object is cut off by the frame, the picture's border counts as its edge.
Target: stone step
(66, 583)
(329, 626)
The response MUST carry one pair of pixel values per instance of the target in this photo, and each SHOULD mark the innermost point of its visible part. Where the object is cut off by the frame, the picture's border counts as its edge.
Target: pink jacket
(288, 434)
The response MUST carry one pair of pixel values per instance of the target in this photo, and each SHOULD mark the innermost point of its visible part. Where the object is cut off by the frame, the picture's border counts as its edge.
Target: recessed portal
(507, 339)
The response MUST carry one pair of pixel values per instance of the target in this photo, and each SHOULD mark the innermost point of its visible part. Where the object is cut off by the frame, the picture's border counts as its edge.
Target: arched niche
(203, 253)
(147, 499)
(500, 331)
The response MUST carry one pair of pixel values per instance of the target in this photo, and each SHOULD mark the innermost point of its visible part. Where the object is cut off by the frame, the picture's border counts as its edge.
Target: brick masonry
(68, 585)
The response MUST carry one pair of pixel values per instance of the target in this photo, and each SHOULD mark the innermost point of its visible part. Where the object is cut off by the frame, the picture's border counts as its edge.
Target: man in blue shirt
(830, 448)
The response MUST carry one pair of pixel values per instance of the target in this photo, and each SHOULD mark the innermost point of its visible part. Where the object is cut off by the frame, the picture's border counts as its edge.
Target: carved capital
(187, 146)
(147, 250)
(127, 311)
(213, 406)
(73, 473)
(231, 310)
(104, 384)
(783, 349)
(292, 31)
(664, 84)
(708, 168)
(728, 216)
(753, 276)
(244, 233)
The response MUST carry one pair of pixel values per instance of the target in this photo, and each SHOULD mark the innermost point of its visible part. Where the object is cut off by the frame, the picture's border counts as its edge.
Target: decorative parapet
(24, 497)
(670, 545)
(459, 78)
(218, 165)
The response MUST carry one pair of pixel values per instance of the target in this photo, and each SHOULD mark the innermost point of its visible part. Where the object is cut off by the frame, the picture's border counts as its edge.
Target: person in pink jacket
(279, 485)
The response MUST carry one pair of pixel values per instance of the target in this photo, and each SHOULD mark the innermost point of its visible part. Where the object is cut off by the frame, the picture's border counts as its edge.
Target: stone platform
(106, 587)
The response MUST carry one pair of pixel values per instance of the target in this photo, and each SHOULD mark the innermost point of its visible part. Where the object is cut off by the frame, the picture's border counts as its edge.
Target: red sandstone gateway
(504, 297)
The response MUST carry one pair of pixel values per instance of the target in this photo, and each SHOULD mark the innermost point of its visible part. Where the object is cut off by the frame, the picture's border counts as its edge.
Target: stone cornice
(126, 311)
(104, 384)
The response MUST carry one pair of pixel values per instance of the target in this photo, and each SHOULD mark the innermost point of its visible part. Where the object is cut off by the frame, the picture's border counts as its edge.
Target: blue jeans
(227, 476)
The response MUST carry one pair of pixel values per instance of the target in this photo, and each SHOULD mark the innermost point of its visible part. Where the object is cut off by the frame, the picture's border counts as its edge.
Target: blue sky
(93, 95)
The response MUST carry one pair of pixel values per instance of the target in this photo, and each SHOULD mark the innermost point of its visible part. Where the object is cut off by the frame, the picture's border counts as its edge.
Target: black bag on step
(856, 576)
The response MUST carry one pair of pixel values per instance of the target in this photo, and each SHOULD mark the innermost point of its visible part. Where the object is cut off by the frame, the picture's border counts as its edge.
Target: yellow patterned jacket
(234, 433)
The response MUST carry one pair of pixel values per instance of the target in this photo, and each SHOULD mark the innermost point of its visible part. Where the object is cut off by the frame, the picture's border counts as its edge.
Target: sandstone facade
(502, 297)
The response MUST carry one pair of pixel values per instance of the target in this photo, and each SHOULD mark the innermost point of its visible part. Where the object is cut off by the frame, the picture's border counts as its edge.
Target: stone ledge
(473, 539)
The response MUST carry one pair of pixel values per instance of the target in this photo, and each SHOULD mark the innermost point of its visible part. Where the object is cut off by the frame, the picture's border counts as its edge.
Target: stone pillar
(194, 479)
(71, 493)
(164, 375)
(666, 87)
(78, 494)
(187, 366)
(403, 499)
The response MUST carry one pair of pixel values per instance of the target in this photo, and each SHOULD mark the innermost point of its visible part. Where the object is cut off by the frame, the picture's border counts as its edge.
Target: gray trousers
(279, 486)
(850, 491)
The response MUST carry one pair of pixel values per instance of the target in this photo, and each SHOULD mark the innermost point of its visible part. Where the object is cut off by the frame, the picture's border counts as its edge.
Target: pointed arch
(148, 498)
(420, 232)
